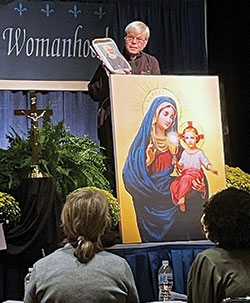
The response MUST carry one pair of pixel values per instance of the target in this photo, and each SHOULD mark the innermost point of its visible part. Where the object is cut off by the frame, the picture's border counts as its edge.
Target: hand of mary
(150, 154)
(198, 185)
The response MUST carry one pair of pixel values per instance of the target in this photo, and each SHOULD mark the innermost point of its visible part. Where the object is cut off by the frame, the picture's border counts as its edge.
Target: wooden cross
(34, 114)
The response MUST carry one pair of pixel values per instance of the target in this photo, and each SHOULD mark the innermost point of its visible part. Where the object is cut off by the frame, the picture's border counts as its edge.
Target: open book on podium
(107, 50)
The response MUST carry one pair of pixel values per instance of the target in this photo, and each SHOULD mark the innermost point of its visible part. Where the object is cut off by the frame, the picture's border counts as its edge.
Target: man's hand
(124, 71)
(127, 71)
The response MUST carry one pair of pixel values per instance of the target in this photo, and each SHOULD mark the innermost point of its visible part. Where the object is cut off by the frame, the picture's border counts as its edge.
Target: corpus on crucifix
(34, 114)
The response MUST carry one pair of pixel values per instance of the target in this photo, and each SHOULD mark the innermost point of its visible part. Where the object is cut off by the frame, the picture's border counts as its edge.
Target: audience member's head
(226, 219)
(85, 216)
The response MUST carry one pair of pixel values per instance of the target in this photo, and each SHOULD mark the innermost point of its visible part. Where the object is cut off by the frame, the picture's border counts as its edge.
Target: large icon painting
(169, 154)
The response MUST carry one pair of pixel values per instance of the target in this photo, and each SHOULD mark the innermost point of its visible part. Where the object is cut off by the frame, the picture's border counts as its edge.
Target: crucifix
(34, 114)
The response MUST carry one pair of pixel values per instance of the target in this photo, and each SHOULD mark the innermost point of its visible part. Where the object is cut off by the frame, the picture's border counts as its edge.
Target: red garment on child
(182, 185)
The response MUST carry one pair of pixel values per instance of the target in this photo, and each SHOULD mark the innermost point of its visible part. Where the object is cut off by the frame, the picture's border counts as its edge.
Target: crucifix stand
(34, 114)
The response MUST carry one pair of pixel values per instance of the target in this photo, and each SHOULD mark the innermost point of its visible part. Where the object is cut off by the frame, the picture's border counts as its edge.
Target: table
(145, 260)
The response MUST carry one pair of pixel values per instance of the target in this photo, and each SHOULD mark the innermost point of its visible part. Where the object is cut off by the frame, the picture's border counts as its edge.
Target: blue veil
(154, 209)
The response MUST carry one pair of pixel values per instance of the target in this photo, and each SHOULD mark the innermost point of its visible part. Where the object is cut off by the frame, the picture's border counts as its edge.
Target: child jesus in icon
(190, 164)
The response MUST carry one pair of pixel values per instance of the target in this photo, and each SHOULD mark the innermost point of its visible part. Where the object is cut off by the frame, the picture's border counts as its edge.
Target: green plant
(15, 162)
(237, 178)
(10, 212)
(72, 161)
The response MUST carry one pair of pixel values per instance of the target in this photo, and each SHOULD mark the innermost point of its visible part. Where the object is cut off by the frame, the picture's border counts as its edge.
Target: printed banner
(50, 40)
(169, 154)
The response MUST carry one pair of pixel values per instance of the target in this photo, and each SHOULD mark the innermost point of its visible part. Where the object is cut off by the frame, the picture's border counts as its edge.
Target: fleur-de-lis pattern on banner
(100, 13)
(47, 10)
(20, 9)
(75, 11)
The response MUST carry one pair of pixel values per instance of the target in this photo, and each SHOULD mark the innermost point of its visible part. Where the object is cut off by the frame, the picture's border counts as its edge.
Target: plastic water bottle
(165, 281)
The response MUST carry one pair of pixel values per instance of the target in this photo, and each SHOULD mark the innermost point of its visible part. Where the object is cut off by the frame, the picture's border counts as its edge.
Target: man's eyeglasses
(136, 39)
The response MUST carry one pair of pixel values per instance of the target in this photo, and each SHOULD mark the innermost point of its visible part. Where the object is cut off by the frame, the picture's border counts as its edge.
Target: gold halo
(199, 129)
(158, 92)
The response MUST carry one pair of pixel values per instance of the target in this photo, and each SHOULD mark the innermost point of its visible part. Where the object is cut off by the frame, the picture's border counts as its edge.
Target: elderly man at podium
(136, 38)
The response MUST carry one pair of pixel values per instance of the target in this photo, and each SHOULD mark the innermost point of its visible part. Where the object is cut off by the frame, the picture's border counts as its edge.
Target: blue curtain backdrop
(75, 108)
(177, 39)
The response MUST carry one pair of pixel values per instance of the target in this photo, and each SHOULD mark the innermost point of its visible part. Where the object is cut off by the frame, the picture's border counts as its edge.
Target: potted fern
(71, 161)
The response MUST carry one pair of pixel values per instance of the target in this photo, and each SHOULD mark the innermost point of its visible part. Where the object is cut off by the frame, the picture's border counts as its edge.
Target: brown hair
(85, 216)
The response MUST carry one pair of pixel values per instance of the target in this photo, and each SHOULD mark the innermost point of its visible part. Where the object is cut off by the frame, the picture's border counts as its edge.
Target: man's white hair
(137, 27)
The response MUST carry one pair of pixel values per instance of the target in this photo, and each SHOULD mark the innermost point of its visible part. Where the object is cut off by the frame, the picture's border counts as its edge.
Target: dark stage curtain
(229, 44)
(37, 233)
(178, 36)
(39, 226)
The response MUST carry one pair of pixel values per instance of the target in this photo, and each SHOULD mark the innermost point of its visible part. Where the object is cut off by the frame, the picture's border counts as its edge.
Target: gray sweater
(60, 277)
